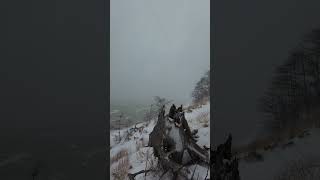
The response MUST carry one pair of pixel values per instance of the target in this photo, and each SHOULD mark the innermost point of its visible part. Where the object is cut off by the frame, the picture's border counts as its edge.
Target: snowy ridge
(138, 154)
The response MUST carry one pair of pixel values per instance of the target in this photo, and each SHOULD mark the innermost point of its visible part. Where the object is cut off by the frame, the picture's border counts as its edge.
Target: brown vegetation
(121, 170)
(203, 117)
(122, 153)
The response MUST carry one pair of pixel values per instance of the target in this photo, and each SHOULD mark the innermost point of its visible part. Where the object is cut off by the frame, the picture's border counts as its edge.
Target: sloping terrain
(292, 157)
(131, 154)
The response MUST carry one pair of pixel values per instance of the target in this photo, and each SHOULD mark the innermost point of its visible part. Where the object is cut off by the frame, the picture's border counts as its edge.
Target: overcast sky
(158, 48)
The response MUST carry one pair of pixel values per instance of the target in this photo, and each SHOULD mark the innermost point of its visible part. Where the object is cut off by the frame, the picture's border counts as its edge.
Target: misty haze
(158, 48)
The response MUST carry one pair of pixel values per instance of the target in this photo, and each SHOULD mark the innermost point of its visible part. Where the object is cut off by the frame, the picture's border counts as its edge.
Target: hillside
(297, 158)
(131, 155)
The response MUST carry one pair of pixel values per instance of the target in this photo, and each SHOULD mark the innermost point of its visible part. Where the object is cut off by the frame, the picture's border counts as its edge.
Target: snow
(193, 121)
(200, 171)
(174, 134)
(115, 111)
(138, 153)
(275, 161)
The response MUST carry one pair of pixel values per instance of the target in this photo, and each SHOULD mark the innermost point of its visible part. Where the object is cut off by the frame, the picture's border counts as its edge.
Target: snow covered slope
(305, 149)
(138, 157)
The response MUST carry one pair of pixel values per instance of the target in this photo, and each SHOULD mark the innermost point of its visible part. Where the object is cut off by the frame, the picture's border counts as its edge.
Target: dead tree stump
(171, 138)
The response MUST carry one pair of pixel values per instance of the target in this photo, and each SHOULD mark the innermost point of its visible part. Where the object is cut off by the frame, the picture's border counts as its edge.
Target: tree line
(293, 97)
(201, 91)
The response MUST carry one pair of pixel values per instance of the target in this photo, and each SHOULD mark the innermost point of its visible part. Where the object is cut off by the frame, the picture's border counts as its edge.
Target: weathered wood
(132, 176)
(172, 136)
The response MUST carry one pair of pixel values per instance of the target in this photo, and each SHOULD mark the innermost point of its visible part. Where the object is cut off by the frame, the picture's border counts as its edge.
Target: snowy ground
(138, 154)
(305, 149)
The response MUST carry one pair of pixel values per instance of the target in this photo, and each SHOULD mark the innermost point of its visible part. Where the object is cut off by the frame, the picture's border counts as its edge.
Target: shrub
(122, 168)
(203, 117)
(201, 91)
(121, 154)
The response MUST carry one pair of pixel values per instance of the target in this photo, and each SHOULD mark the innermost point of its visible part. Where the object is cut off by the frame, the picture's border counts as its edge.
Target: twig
(132, 176)
(193, 172)
(206, 174)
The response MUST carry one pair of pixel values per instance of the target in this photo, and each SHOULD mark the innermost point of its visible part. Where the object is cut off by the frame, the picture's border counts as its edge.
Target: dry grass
(121, 154)
(147, 157)
(205, 125)
(201, 102)
(203, 117)
(150, 159)
(291, 132)
(267, 143)
(272, 141)
(140, 143)
(262, 143)
(141, 155)
(196, 105)
(121, 170)
(299, 170)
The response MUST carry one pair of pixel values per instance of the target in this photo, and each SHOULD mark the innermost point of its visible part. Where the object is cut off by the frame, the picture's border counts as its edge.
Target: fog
(157, 48)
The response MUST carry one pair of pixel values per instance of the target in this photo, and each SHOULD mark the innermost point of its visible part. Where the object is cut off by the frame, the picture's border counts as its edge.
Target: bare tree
(202, 89)
(294, 92)
(155, 108)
